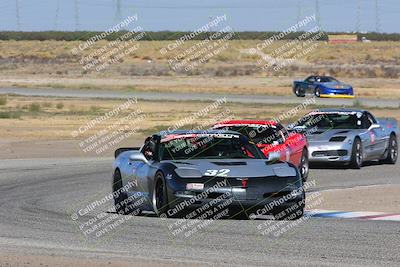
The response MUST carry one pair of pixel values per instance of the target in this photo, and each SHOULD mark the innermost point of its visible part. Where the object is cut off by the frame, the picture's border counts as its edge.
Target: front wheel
(317, 92)
(304, 165)
(160, 202)
(119, 196)
(356, 154)
(392, 150)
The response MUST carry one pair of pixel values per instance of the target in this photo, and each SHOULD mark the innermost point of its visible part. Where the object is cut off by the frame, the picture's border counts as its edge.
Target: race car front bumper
(336, 96)
(325, 152)
(256, 198)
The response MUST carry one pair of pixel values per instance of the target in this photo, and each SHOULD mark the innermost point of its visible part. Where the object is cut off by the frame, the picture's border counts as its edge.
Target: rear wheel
(356, 154)
(392, 150)
(304, 165)
(298, 91)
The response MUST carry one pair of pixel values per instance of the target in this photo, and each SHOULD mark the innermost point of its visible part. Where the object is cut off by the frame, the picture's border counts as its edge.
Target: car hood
(238, 168)
(335, 84)
(324, 135)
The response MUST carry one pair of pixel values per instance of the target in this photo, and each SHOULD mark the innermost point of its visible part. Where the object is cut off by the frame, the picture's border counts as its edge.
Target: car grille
(329, 153)
(277, 194)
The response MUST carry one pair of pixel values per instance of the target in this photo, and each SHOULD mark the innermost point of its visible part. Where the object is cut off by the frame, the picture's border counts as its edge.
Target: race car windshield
(331, 121)
(208, 147)
(258, 134)
(326, 79)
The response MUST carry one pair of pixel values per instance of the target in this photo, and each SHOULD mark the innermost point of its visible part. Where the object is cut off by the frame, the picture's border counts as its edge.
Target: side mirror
(138, 157)
(273, 156)
(297, 129)
(374, 126)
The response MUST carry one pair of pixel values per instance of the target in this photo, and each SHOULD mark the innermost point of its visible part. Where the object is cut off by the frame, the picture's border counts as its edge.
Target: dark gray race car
(213, 174)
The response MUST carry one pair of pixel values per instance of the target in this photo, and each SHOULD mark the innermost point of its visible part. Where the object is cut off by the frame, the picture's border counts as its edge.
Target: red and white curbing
(362, 215)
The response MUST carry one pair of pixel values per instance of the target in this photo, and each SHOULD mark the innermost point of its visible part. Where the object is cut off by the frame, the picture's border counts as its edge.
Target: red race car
(274, 140)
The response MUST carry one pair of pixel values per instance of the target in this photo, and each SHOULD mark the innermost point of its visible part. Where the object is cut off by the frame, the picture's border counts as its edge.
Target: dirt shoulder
(380, 198)
(17, 260)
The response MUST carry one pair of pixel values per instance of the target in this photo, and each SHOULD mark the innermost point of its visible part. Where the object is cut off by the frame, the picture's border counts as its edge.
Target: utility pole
(76, 15)
(56, 16)
(377, 17)
(317, 14)
(17, 14)
(299, 10)
(358, 23)
(118, 13)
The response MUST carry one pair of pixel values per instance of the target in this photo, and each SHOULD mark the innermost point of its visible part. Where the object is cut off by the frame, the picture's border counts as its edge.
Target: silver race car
(349, 137)
(182, 172)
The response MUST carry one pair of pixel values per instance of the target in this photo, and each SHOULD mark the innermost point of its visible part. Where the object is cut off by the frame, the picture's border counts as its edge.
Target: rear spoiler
(123, 149)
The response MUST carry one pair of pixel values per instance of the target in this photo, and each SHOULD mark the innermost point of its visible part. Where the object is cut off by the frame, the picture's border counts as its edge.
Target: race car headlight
(188, 173)
(350, 141)
(273, 156)
(337, 139)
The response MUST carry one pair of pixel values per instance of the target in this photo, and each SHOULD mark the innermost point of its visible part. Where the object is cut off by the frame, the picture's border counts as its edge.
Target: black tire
(122, 196)
(298, 92)
(317, 92)
(295, 213)
(159, 198)
(304, 165)
(393, 150)
(238, 214)
(356, 160)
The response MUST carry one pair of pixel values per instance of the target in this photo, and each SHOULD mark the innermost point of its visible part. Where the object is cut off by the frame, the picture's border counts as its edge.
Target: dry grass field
(373, 68)
(41, 118)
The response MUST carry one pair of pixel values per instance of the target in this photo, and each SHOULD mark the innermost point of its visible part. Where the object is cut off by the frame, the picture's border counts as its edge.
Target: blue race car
(322, 86)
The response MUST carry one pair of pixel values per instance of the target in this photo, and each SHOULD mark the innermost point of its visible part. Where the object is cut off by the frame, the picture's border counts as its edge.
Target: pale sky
(185, 15)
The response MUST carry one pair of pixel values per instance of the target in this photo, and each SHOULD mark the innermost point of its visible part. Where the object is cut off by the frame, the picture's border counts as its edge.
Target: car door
(379, 136)
(372, 138)
(293, 145)
(137, 173)
(310, 84)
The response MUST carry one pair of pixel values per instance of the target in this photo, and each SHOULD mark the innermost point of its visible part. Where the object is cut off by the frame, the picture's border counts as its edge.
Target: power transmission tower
(56, 16)
(358, 23)
(17, 14)
(317, 14)
(118, 13)
(76, 15)
(299, 10)
(377, 17)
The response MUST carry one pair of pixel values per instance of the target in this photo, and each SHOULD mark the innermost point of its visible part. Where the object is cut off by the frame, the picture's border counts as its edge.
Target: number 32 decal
(222, 172)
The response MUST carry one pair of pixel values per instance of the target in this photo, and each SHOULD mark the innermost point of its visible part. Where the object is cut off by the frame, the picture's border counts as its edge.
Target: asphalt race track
(259, 99)
(38, 196)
